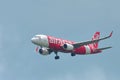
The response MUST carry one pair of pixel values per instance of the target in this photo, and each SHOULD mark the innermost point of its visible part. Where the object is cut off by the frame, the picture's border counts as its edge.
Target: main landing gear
(73, 54)
(56, 57)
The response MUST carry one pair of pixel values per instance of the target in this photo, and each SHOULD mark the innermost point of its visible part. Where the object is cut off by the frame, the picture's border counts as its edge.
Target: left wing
(76, 45)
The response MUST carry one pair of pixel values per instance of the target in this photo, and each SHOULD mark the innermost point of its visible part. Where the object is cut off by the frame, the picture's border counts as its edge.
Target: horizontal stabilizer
(104, 48)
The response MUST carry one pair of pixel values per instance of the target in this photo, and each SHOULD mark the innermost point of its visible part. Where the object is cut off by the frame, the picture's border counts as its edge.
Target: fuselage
(48, 44)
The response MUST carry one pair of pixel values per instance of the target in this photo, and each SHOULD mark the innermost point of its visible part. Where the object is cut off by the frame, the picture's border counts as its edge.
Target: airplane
(48, 44)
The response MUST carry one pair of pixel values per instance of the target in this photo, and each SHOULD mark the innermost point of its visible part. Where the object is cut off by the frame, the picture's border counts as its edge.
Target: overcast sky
(75, 20)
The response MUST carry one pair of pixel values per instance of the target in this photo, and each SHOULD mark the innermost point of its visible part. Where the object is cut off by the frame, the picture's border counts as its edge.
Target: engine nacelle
(68, 46)
(44, 51)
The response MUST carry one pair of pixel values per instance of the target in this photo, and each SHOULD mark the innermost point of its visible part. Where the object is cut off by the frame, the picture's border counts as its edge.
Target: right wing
(76, 45)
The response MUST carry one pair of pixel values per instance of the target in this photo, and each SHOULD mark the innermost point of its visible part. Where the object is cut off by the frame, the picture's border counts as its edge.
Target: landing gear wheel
(57, 57)
(72, 54)
(40, 51)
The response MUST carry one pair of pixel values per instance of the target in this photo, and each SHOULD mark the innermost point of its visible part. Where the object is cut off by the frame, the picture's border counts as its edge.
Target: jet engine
(68, 46)
(44, 51)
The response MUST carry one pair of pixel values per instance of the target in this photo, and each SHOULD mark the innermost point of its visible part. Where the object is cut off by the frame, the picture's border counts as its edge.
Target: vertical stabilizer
(95, 37)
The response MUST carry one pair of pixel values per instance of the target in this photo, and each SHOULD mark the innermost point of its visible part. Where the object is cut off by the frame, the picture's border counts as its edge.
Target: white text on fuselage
(58, 41)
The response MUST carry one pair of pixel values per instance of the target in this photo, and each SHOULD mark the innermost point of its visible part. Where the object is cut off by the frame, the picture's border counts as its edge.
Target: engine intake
(44, 51)
(68, 46)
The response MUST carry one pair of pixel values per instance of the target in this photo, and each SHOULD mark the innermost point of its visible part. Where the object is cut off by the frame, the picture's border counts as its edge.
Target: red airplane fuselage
(50, 44)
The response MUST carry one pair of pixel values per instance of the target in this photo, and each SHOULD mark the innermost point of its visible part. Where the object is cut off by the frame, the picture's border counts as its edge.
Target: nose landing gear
(56, 57)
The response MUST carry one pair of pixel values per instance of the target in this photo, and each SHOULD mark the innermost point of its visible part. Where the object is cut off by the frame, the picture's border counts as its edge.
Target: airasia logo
(96, 36)
(58, 41)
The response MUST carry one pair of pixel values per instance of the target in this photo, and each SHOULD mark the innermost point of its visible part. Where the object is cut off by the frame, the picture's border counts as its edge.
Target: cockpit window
(38, 36)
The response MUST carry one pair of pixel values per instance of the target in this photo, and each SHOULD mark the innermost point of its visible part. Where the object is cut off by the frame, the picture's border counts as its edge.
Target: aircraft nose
(33, 40)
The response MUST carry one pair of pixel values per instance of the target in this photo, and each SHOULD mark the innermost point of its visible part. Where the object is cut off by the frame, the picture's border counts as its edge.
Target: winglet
(111, 34)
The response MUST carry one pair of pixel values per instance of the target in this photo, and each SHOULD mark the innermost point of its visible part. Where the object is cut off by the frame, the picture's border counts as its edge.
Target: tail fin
(95, 37)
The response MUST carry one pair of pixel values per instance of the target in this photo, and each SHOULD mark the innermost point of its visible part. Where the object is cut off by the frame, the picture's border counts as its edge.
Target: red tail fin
(95, 37)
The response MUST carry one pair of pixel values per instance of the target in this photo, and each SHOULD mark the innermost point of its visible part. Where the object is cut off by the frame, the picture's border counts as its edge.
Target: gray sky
(75, 20)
